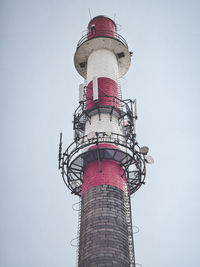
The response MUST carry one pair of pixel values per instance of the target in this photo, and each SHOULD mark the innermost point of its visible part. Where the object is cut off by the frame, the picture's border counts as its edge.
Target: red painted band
(101, 26)
(108, 92)
(110, 174)
(104, 146)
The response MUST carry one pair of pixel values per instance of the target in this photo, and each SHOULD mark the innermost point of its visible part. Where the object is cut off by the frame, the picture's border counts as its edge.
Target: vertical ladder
(84, 96)
(78, 233)
(119, 93)
(129, 224)
(119, 88)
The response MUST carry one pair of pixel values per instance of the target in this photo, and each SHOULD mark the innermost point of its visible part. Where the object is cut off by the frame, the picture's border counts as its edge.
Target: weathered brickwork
(103, 233)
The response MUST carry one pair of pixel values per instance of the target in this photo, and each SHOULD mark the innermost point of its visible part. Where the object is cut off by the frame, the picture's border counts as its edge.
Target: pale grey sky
(39, 92)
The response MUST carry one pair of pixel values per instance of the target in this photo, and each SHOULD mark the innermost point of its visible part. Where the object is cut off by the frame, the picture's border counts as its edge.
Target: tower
(104, 165)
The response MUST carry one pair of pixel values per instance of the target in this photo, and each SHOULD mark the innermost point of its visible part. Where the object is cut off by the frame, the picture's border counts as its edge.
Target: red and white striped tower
(104, 165)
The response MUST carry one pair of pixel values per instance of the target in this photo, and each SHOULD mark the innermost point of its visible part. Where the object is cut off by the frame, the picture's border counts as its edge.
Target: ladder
(119, 89)
(129, 224)
(78, 232)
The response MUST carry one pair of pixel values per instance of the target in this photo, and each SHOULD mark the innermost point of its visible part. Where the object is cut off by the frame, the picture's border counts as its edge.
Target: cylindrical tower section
(101, 25)
(108, 93)
(104, 230)
(104, 164)
(102, 63)
(103, 233)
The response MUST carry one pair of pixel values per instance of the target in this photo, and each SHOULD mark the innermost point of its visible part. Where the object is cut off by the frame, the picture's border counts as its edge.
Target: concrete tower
(104, 165)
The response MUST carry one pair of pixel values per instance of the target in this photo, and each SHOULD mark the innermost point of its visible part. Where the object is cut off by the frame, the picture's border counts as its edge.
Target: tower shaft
(103, 233)
(104, 165)
(104, 228)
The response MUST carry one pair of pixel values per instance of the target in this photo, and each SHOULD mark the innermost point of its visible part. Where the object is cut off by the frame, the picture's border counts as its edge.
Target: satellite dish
(149, 159)
(144, 150)
(91, 135)
(108, 133)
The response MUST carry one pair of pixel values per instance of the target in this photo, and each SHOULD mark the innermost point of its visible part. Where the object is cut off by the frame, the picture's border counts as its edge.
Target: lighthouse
(104, 165)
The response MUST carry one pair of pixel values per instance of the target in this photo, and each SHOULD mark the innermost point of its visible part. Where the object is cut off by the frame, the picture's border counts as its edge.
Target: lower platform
(97, 148)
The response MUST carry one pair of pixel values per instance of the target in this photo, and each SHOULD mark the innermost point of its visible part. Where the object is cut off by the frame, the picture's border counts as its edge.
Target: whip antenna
(89, 13)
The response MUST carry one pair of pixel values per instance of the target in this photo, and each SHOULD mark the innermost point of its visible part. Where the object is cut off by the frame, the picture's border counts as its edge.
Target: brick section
(104, 27)
(108, 89)
(103, 233)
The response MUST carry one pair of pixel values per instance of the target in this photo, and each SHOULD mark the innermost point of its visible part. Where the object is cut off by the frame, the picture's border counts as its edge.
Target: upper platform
(102, 34)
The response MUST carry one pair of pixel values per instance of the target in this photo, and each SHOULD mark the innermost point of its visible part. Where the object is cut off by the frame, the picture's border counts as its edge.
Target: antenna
(144, 150)
(114, 17)
(89, 13)
(95, 88)
(81, 92)
(60, 152)
(149, 159)
(135, 109)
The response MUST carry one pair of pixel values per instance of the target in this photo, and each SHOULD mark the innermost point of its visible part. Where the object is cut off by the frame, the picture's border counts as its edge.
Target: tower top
(102, 22)
(102, 34)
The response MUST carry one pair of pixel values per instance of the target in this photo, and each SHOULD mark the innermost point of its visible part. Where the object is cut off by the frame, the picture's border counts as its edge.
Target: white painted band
(102, 63)
(103, 125)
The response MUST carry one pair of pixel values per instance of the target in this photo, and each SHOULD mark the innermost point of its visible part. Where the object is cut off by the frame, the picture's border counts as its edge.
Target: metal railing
(99, 138)
(73, 161)
(102, 33)
(125, 110)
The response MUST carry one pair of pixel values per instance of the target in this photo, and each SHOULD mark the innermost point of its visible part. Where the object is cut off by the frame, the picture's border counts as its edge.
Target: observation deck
(103, 35)
(99, 146)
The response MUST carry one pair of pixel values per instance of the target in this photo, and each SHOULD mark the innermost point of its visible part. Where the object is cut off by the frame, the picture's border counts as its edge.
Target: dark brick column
(103, 233)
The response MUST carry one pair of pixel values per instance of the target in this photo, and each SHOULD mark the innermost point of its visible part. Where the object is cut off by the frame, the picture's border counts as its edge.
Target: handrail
(113, 99)
(102, 33)
(72, 170)
(106, 100)
(100, 137)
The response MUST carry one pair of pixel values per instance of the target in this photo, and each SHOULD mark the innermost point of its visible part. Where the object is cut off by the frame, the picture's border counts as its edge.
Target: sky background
(39, 93)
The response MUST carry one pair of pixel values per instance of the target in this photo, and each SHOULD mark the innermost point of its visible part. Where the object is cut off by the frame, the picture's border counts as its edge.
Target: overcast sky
(39, 93)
